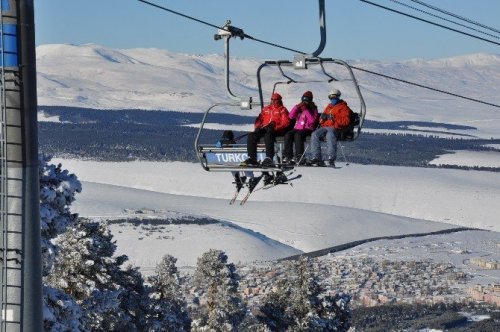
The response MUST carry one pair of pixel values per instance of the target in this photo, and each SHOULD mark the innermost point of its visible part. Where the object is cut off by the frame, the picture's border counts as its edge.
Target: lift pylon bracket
(229, 31)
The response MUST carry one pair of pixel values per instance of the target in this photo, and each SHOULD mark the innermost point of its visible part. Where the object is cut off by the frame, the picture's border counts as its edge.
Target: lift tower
(20, 256)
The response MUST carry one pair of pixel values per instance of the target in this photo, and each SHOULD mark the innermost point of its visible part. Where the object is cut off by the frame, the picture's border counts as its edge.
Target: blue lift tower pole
(20, 250)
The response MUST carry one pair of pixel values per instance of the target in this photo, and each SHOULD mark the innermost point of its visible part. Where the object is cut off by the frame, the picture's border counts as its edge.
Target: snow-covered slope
(325, 208)
(463, 198)
(98, 77)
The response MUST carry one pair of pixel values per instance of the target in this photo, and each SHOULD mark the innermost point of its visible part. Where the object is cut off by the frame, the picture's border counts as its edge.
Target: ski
(279, 178)
(287, 181)
(240, 182)
(235, 196)
(251, 184)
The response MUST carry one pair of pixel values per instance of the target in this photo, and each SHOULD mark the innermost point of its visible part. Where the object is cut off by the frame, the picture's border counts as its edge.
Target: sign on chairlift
(246, 103)
(299, 62)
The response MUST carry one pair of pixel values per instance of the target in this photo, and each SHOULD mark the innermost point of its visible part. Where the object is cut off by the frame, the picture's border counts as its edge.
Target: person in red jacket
(271, 122)
(335, 117)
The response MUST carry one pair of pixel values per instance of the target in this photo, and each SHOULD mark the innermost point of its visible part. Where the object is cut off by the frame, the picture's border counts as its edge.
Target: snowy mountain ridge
(93, 76)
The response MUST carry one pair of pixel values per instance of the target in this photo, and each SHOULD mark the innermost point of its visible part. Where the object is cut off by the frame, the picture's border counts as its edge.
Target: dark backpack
(227, 138)
(347, 133)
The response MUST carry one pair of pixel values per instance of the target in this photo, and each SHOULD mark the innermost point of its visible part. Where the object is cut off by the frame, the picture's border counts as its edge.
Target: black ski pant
(253, 138)
(297, 136)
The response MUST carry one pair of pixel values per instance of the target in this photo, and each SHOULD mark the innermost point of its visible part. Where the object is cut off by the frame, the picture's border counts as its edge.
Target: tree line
(124, 135)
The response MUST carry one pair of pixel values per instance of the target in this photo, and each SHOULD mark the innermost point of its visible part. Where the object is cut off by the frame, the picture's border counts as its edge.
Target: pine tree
(168, 308)
(273, 311)
(61, 312)
(113, 298)
(305, 292)
(223, 309)
(297, 304)
(57, 191)
(85, 262)
(134, 298)
(102, 312)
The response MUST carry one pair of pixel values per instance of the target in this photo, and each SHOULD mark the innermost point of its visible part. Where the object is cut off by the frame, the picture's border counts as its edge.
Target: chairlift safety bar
(315, 61)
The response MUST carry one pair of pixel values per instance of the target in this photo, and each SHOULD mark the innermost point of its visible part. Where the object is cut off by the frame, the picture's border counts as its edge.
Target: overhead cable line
(275, 45)
(180, 14)
(304, 53)
(241, 35)
(445, 19)
(456, 16)
(430, 22)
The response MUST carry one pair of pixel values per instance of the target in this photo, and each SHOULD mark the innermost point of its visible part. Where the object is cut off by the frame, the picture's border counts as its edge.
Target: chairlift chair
(228, 158)
(358, 120)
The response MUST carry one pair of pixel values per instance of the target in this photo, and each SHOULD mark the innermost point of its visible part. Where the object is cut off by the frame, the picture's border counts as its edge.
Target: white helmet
(334, 92)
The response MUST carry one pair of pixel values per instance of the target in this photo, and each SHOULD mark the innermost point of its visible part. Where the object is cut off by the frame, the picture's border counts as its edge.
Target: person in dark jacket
(271, 122)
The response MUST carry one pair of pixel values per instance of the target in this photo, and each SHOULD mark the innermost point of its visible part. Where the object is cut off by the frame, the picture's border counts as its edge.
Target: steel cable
(356, 68)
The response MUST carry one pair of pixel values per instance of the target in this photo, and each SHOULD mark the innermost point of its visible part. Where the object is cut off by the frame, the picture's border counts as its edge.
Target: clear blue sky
(355, 30)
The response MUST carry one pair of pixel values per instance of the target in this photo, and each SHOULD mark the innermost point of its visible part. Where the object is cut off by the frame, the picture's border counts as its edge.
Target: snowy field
(373, 201)
(469, 158)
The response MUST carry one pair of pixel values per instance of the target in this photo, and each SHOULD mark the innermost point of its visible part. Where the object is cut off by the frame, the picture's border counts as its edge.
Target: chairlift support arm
(229, 31)
(226, 33)
(202, 124)
(322, 29)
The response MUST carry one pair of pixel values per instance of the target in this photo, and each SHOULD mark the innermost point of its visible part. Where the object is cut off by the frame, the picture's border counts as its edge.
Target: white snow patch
(374, 201)
(469, 158)
(42, 117)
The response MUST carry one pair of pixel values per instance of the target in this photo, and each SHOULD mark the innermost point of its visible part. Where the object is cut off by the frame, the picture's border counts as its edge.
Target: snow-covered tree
(86, 261)
(297, 304)
(222, 308)
(113, 298)
(273, 311)
(61, 312)
(168, 307)
(305, 302)
(103, 312)
(57, 191)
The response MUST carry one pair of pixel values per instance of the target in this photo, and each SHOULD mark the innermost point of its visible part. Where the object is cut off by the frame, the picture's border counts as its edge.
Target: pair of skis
(269, 182)
(250, 184)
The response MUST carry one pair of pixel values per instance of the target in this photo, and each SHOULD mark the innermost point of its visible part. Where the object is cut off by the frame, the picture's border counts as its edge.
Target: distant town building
(485, 263)
(488, 294)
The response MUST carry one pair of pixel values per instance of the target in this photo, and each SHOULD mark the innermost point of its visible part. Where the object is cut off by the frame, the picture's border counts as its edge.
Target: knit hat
(276, 96)
(307, 96)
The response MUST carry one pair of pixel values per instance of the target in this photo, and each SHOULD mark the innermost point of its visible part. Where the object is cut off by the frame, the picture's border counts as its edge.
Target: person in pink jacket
(306, 119)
